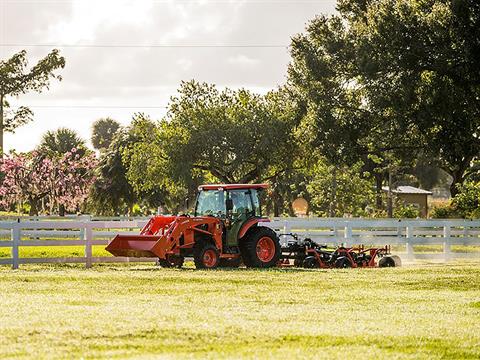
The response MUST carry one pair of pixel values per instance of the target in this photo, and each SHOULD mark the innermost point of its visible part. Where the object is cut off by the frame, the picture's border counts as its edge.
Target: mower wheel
(343, 262)
(230, 263)
(390, 261)
(205, 255)
(310, 262)
(260, 248)
(298, 262)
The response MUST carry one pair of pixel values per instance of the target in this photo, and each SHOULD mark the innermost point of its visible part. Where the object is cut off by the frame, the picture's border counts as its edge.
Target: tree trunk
(333, 197)
(61, 210)
(457, 177)
(390, 199)
(276, 207)
(378, 188)
(33, 207)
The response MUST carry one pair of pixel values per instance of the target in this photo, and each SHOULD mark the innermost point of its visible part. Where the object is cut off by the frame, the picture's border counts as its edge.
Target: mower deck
(308, 254)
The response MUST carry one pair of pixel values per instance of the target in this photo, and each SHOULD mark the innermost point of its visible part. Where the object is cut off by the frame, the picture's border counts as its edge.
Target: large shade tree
(424, 63)
(216, 136)
(394, 78)
(341, 122)
(236, 136)
(17, 79)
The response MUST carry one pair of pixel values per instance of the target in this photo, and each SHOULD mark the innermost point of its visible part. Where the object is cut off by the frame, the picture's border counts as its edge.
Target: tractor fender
(249, 224)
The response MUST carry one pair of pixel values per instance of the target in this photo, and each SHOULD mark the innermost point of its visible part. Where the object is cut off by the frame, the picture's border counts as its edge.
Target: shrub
(444, 211)
(467, 201)
(406, 212)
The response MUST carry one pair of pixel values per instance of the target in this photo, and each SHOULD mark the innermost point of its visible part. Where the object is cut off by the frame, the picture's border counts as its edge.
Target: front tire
(205, 255)
(261, 248)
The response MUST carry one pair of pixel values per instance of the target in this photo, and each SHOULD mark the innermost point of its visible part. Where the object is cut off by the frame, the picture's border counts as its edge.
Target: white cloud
(141, 77)
(242, 60)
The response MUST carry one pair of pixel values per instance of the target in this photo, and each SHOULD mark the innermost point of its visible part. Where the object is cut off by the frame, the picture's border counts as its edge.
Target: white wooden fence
(403, 235)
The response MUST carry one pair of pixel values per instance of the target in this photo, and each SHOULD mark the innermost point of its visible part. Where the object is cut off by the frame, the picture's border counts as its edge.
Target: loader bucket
(133, 245)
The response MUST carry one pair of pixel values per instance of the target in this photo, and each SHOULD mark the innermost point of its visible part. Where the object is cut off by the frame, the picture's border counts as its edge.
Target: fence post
(88, 233)
(336, 234)
(447, 231)
(348, 234)
(286, 228)
(409, 237)
(16, 236)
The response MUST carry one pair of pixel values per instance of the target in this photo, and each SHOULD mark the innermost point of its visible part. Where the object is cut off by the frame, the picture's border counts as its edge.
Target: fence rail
(87, 232)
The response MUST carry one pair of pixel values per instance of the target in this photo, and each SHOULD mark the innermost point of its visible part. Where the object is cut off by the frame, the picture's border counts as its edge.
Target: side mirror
(229, 205)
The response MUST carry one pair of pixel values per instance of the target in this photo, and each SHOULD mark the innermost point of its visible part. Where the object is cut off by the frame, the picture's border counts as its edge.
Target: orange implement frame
(164, 236)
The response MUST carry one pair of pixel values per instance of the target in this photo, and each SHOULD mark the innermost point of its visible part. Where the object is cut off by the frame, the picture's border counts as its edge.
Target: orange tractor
(224, 232)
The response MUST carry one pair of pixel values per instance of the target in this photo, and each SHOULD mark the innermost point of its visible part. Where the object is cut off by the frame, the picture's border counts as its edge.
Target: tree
(111, 192)
(467, 200)
(340, 120)
(420, 58)
(385, 77)
(156, 180)
(16, 79)
(341, 193)
(52, 183)
(103, 132)
(25, 179)
(233, 135)
(61, 141)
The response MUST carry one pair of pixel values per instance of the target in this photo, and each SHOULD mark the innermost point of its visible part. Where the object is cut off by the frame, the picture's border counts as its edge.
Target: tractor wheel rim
(209, 258)
(265, 249)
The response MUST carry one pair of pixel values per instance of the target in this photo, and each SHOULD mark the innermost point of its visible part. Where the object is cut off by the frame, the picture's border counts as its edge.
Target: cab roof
(232, 186)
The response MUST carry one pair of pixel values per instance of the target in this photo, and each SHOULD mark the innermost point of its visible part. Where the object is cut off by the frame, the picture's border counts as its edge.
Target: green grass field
(140, 311)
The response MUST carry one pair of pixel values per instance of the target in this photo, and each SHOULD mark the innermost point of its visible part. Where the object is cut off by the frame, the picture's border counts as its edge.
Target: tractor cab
(229, 201)
(234, 204)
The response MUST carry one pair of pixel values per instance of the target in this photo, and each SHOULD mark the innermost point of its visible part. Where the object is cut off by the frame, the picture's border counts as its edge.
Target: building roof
(407, 190)
(232, 186)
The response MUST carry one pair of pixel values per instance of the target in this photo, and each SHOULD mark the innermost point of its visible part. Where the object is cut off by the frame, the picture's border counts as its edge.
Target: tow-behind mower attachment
(224, 232)
(307, 253)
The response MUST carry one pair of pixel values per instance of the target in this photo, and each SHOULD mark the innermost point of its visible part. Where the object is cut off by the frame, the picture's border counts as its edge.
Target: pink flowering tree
(45, 183)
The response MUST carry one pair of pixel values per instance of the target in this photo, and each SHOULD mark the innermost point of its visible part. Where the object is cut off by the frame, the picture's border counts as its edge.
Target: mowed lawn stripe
(144, 311)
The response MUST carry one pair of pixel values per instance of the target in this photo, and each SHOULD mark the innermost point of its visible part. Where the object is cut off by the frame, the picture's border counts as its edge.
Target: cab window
(210, 202)
(242, 202)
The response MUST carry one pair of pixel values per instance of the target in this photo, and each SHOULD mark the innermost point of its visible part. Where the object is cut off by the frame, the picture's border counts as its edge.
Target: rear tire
(260, 248)
(205, 255)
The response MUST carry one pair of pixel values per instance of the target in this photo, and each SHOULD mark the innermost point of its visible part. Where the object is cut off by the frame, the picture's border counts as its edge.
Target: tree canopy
(231, 136)
(61, 141)
(17, 79)
(393, 76)
(103, 132)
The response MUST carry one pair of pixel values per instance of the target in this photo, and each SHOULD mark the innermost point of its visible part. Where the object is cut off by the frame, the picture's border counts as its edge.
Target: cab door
(242, 209)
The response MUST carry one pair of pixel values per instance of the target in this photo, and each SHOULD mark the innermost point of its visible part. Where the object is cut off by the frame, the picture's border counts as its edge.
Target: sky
(124, 57)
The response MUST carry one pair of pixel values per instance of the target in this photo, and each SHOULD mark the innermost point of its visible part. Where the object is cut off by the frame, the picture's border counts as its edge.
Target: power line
(149, 46)
(95, 107)
(193, 2)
